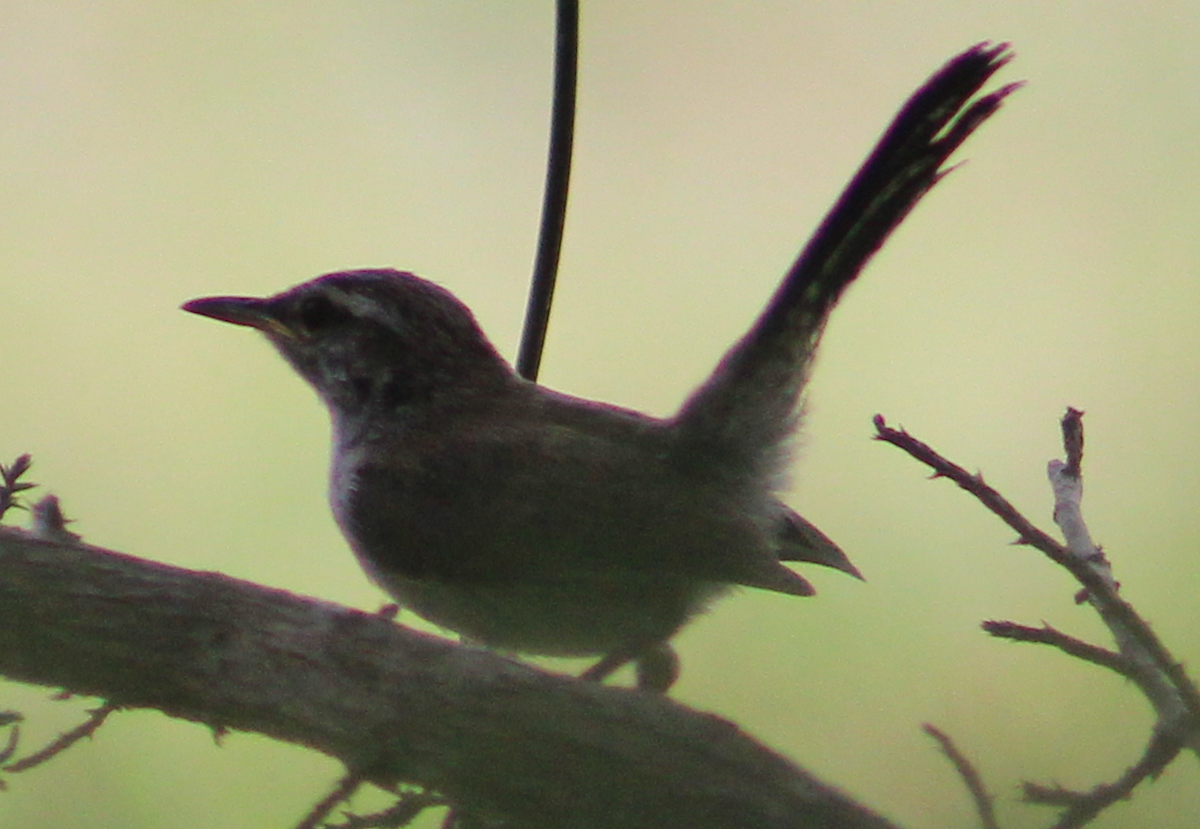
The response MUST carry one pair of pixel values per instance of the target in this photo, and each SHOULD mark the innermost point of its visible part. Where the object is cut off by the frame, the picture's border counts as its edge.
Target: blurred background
(153, 152)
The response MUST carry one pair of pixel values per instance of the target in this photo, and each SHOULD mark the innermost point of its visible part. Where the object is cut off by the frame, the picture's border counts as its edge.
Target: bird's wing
(528, 501)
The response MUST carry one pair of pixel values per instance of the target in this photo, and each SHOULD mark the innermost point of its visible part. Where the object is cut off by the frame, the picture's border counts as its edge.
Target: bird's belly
(560, 619)
(533, 561)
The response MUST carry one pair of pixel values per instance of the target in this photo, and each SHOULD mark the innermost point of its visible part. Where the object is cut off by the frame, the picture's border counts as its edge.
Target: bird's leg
(657, 666)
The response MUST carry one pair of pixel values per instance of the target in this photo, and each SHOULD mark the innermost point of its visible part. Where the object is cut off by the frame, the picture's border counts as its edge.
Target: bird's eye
(318, 313)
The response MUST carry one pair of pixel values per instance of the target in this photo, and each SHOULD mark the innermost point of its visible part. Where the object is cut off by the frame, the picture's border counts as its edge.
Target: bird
(533, 522)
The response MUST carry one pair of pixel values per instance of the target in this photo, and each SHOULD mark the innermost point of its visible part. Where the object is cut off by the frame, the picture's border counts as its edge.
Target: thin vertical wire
(554, 203)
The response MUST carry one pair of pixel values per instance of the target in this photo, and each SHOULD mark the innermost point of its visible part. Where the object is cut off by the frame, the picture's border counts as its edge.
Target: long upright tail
(746, 409)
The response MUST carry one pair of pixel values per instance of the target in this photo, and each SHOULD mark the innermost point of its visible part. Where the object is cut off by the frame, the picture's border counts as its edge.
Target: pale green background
(154, 152)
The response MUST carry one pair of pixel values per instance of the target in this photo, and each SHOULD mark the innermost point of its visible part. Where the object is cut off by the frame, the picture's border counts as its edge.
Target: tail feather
(747, 408)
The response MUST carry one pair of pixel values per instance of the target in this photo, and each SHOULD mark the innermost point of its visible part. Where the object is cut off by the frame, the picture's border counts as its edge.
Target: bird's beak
(241, 310)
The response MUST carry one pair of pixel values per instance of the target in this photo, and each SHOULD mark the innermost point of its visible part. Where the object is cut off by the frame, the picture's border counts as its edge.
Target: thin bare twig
(1047, 635)
(1142, 657)
(342, 792)
(1072, 428)
(1159, 676)
(1082, 807)
(984, 802)
(1111, 607)
(1027, 532)
(96, 718)
(10, 747)
(403, 812)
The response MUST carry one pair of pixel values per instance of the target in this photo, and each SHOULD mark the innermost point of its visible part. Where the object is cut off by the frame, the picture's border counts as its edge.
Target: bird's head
(372, 342)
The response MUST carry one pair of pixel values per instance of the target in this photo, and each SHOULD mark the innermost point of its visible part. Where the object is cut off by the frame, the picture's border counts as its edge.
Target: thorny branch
(10, 485)
(96, 718)
(1081, 807)
(1141, 656)
(1101, 590)
(401, 813)
(1046, 635)
(344, 789)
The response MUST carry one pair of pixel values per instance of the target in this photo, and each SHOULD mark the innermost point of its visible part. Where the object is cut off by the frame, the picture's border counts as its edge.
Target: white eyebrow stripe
(361, 306)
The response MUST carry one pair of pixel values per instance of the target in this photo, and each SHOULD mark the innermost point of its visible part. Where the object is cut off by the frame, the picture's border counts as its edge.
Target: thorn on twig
(219, 733)
(388, 611)
(49, 523)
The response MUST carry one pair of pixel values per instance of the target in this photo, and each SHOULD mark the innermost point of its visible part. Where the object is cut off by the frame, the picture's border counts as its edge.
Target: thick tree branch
(496, 737)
